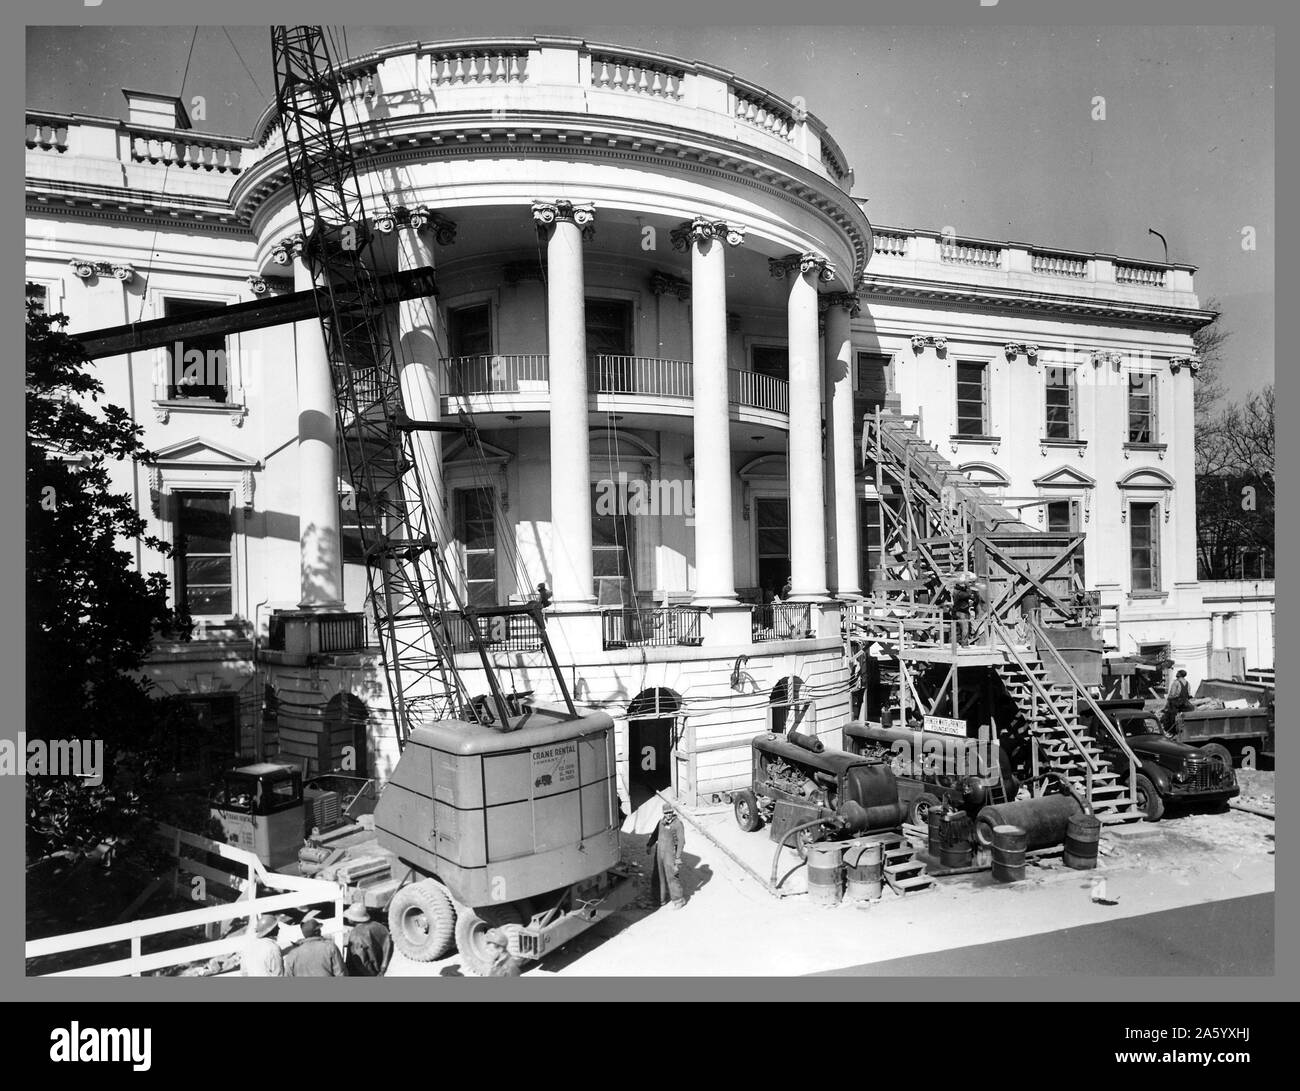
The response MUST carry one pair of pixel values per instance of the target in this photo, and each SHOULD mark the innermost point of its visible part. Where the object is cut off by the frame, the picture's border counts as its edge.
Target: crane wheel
(422, 921)
(472, 927)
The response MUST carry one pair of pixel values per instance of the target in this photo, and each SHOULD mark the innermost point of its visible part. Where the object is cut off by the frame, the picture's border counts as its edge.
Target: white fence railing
(296, 893)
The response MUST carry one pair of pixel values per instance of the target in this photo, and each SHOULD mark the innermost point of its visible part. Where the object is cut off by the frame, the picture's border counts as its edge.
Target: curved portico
(562, 174)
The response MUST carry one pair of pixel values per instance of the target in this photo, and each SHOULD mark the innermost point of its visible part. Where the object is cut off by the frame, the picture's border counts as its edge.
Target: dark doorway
(651, 736)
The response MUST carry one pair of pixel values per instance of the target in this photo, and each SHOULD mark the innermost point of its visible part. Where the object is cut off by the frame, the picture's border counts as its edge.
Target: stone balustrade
(930, 254)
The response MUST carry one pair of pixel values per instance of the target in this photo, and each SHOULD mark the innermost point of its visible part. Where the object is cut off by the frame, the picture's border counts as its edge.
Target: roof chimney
(157, 111)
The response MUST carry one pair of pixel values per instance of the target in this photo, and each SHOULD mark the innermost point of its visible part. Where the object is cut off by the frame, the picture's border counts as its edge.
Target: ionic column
(563, 223)
(715, 579)
(417, 319)
(319, 554)
(807, 479)
(841, 309)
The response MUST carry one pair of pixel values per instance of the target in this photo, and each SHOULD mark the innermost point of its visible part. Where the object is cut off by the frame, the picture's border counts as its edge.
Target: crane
(410, 588)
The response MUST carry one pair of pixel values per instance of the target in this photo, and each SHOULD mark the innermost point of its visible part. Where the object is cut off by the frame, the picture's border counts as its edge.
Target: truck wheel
(421, 920)
(1218, 750)
(745, 805)
(472, 927)
(918, 812)
(1148, 799)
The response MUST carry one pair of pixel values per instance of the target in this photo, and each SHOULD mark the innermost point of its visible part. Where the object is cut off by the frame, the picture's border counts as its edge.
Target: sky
(989, 130)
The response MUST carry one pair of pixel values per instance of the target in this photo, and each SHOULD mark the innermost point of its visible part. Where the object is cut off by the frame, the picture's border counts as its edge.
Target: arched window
(788, 710)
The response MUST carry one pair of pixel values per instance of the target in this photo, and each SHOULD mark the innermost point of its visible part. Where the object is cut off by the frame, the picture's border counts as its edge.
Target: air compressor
(796, 782)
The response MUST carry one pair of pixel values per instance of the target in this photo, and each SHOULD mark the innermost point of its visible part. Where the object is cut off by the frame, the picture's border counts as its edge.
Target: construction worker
(369, 946)
(667, 843)
(965, 604)
(315, 956)
(260, 956)
(1178, 700)
(503, 963)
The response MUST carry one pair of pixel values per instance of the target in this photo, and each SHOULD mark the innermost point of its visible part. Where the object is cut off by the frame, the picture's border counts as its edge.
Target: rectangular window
(197, 365)
(613, 552)
(476, 531)
(354, 535)
(972, 398)
(873, 382)
(869, 541)
(38, 295)
(1141, 407)
(1144, 546)
(469, 330)
(772, 533)
(1063, 516)
(1061, 403)
(205, 530)
(773, 360)
(609, 327)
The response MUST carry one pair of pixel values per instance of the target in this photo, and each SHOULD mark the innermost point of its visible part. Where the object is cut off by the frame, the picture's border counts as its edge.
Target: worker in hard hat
(667, 843)
(501, 962)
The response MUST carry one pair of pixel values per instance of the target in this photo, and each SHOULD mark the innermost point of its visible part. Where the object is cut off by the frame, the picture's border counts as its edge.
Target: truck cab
(1169, 771)
(260, 808)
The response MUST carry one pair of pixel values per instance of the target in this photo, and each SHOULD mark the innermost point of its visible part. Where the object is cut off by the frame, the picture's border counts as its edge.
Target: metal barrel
(955, 837)
(1082, 836)
(825, 872)
(935, 827)
(1009, 853)
(864, 871)
(955, 856)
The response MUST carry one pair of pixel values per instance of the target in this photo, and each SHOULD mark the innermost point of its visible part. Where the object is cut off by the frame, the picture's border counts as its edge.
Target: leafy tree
(91, 616)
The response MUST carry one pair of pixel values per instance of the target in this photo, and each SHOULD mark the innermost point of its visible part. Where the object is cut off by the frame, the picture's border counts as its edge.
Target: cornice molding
(915, 290)
(525, 139)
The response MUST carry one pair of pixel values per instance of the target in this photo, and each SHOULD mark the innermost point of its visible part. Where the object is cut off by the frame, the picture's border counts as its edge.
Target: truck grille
(1208, 776)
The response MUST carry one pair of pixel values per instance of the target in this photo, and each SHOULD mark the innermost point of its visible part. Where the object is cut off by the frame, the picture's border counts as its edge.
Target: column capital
(667, 284)
(419, 219)
(1176, 363)
(1012, 349)
(581, 213)
(257, 284)
(288, 248)
(848, 300)
(86, 268)
(702, 229)
(920, 340)
(803, 264)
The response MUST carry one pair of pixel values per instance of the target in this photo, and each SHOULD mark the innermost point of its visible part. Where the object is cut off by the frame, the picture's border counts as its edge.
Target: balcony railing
(656, 627)
(782, 621)
(496, 374)
(520, 633)
(344, 633)
(639, 375)
(760, 391)
(609, 375)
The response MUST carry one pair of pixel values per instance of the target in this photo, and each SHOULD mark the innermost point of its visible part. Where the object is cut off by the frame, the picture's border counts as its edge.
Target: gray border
(497, 16)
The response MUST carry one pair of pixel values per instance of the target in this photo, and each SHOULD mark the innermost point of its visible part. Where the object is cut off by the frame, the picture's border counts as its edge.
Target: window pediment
(1065, 477)
(1146, 478)
(203, 454)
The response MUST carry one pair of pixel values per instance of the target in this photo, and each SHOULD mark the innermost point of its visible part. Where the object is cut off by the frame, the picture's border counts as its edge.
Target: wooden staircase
(903, 872)
(1064, 745)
